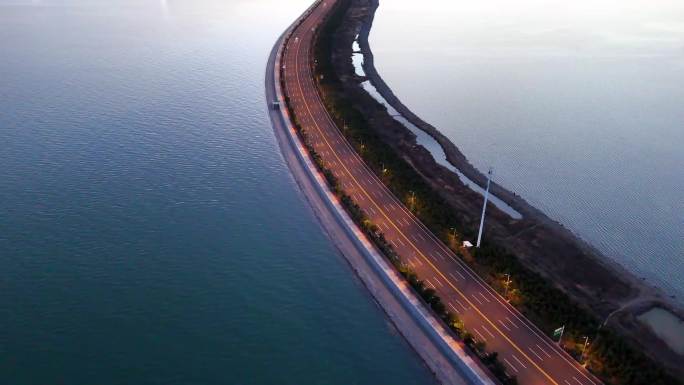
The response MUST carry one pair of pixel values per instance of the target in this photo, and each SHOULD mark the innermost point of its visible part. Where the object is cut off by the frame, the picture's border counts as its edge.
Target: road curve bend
(524, 350)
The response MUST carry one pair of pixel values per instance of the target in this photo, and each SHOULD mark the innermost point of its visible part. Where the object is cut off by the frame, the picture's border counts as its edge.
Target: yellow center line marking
(404, 236)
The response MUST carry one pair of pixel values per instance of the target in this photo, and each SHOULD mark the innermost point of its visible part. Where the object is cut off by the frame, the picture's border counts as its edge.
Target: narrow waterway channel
(423, 138)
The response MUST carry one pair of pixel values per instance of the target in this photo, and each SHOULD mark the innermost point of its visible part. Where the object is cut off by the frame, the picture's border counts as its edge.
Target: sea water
(576, 105)
(150, 232)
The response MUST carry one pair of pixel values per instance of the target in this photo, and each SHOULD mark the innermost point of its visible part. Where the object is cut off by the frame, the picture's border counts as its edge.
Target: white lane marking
(544, 340)
(459, 274)
(511, 322)
(430, 283)
(414, 238)
(418, 262)
(420, 235)
(511, 365)
(567, 382)
(543, 351)
(454, 307)
(516, 315)
(438, 282)
(477, 299)
(535, 353)
(520, 362)
(460, 303)
(480, 334)
(483, 297)
(401, 242)
(487, 330)
(504, 325)
(578, 381)
(453, 277)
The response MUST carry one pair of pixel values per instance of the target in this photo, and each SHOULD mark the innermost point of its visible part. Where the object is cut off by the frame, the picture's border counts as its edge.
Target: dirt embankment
(544, 245)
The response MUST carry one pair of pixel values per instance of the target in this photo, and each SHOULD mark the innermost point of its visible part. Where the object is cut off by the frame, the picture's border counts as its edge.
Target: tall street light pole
(484, 207)
(584, 349)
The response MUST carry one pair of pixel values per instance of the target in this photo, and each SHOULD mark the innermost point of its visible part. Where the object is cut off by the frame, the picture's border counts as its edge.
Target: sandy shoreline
(638, 296)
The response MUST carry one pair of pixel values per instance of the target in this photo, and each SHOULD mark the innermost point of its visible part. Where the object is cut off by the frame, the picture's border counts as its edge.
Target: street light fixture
(584, 349)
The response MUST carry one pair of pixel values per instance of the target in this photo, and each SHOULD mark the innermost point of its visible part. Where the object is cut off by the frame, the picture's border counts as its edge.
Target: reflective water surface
(150, 232)
(577, 106)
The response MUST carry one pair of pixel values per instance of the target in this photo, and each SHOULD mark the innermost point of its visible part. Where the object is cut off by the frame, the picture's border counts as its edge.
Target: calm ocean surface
(150, 232)
(578, 106)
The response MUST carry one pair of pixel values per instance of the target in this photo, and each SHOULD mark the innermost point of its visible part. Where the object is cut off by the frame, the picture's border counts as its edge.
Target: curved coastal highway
(524, 350)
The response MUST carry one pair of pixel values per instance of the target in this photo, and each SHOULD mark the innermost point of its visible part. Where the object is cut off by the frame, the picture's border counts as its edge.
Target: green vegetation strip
(428, 295)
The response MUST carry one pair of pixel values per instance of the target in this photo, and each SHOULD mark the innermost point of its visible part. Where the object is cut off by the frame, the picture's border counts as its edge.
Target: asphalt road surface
(526, 353)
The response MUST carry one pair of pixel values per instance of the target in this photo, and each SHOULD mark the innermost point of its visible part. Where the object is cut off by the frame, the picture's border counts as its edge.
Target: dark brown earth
(543, 244)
